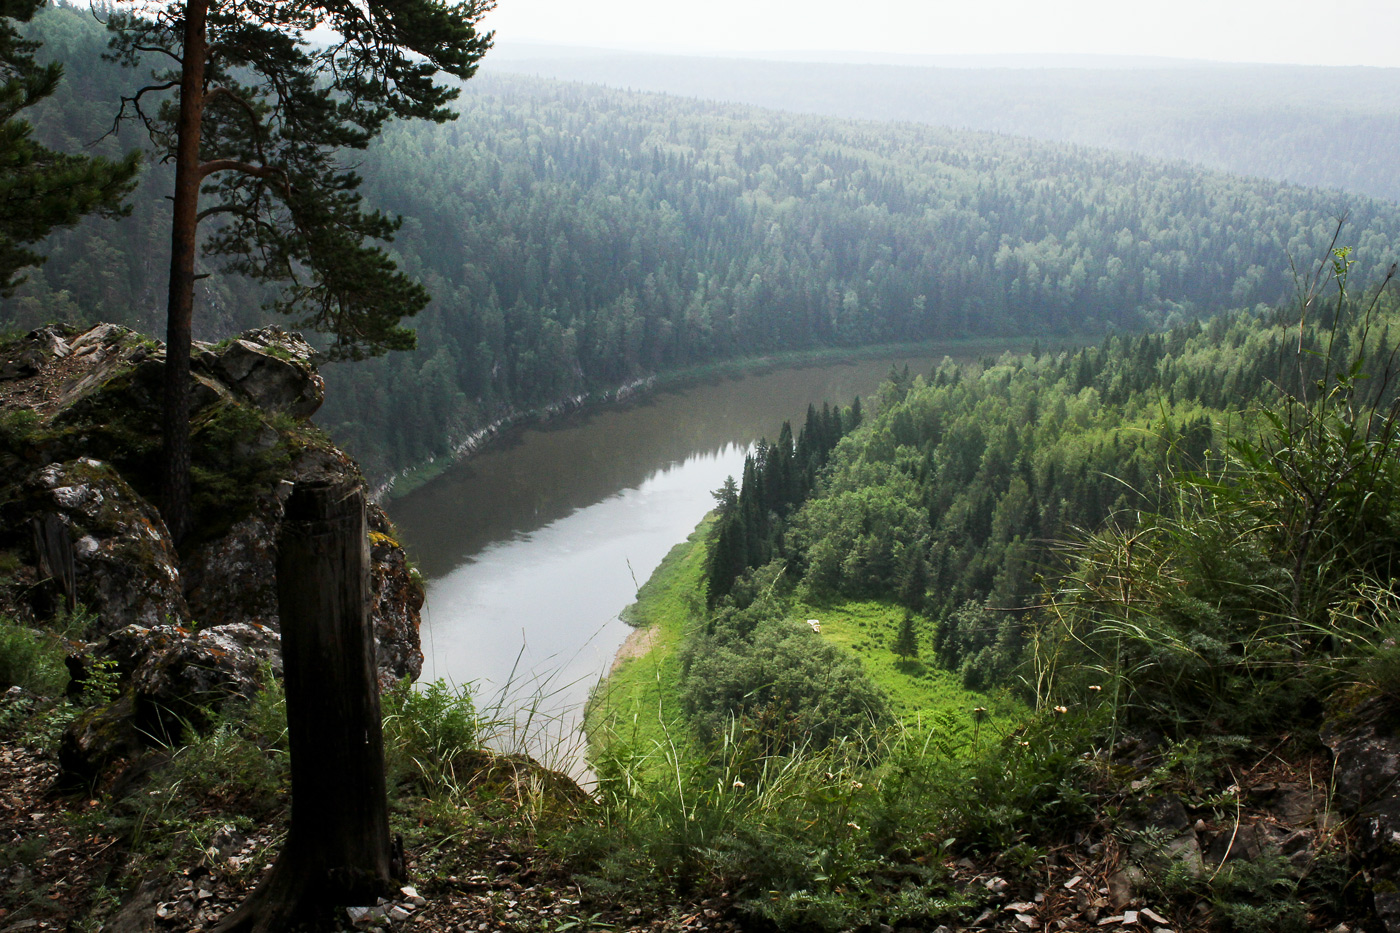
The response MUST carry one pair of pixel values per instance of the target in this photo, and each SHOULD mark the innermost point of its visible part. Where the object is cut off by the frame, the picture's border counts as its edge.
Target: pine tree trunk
(338, 851)
(184, 234)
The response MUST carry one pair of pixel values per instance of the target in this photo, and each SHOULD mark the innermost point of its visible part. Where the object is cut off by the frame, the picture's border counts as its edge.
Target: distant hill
(576, 239)
(1316, 126)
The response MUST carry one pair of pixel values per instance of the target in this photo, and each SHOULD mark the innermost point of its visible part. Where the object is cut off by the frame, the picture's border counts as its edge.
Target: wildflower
(1062, 709)
(854, 826)
(856, 785)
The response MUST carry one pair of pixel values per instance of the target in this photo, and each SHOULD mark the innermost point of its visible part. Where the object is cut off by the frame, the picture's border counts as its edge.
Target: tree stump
(338, 850)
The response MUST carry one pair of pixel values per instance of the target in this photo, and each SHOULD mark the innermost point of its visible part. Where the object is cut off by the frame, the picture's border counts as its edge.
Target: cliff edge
(174, 632)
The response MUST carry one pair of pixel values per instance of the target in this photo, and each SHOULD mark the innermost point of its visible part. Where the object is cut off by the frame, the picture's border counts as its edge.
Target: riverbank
(637, 706)
(412, 478)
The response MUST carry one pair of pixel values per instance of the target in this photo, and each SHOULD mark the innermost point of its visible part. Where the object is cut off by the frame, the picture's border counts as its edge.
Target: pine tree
(42, 190)
(256, 127)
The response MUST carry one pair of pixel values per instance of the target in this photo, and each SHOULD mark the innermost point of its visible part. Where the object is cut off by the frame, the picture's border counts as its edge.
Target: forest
(958, 495)
(1157, 569)
(1314, 126)
(576, 239)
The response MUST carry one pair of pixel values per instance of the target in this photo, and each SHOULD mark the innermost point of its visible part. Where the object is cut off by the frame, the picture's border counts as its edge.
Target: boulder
(96, 536)
(1366, 743)
(185, 678)
(272, 369)
(99, 738)
(38, 348)
(166, 677)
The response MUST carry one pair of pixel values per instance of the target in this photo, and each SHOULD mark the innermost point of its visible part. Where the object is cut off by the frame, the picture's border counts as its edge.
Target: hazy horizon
(525, 49)
(1198, 31)
(529, 49)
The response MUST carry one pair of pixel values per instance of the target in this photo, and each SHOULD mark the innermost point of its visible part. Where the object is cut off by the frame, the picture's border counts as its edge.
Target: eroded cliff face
(180, 630)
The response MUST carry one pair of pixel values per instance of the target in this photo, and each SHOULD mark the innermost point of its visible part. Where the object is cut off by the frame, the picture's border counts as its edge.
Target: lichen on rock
(186, 631)
(124, 568)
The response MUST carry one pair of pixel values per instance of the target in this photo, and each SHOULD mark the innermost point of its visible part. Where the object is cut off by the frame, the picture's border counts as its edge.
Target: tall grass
(1268, 572)
(852, 834)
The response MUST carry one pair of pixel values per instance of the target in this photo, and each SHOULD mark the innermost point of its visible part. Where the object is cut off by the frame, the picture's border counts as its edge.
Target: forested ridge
(958, 495)
(576, 238)
(1327, 127)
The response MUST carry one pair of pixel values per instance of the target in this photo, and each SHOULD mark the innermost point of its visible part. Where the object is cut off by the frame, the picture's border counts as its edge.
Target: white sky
(1358, 32)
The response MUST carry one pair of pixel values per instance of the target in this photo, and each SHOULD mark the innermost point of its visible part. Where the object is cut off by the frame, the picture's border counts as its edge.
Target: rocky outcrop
(1366, 743)
(104, 545)
(398, 600)
(166, 679)
(194, 673)
(269, 368)
(182, 632)
(1365, 740)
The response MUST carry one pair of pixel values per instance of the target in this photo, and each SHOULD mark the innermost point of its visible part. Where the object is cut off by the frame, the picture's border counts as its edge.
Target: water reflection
(534, 546)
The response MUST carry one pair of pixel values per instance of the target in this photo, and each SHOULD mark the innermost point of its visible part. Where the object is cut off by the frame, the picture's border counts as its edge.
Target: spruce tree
(42, 190)
(906, 643)
(259, 117)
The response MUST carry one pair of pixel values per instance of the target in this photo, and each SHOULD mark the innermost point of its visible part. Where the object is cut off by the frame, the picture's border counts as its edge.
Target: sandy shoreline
(638, 643)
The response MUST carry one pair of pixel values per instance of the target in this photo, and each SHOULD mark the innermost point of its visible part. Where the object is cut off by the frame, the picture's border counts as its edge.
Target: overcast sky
(1358, 32)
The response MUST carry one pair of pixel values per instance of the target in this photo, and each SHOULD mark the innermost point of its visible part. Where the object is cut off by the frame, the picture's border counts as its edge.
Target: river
(532, 547)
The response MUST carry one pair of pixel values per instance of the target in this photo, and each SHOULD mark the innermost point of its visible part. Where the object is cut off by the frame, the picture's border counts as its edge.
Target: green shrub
(31, 659)
(426, 732)
(784, 684)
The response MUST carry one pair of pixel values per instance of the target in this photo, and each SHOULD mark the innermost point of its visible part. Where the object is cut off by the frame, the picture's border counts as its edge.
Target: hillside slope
(577, 239)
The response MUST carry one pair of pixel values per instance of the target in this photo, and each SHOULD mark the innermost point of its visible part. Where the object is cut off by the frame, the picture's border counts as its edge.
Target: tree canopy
(577, 238)
(41, 189)
(261, 116)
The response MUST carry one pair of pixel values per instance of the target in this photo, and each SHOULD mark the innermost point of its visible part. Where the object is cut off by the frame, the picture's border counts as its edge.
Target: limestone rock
(273, 369)
(99, 737)
(1366, 743)
(187, 676)
(123, 566)
(233, 578)
(36, 350)
(97, 397)
(166, 677)
(127, 647)
(397, 595)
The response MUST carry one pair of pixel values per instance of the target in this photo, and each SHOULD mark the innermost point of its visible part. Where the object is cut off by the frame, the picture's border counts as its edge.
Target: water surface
(533, 546)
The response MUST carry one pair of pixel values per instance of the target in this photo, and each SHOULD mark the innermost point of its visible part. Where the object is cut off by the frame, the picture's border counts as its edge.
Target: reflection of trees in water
(534, 476)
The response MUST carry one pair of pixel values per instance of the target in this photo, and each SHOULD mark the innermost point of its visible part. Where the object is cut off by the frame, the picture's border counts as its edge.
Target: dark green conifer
(255, 133)
(914, 584)
(906, 643)
(42, 190)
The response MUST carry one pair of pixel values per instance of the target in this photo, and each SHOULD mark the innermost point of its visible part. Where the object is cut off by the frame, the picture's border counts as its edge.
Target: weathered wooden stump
(338, 849)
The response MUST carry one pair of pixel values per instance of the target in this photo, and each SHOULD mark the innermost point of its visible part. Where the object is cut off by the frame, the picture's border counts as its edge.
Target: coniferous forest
(1101, 632)
(576, 239)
